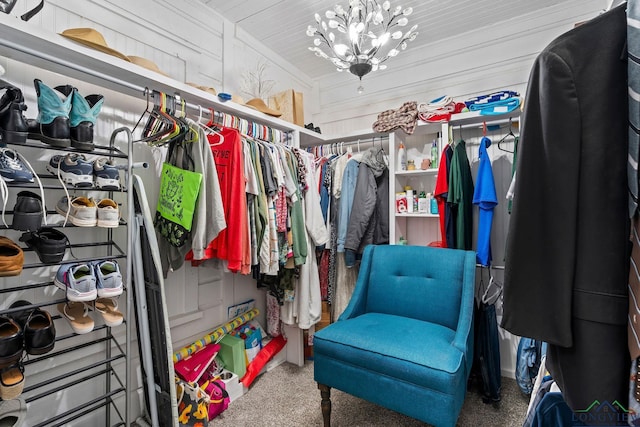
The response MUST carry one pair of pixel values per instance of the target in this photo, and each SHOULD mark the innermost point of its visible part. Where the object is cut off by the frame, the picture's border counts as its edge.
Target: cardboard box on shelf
(291, 104)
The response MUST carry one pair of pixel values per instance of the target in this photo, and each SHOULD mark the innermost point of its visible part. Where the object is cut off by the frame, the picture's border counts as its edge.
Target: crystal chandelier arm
(395, 48)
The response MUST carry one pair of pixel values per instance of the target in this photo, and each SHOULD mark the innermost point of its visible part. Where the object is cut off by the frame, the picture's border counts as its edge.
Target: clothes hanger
(492, 298)
(181, 127)
(146, 109)
(211, 129)
(160, 125)
(508, 135)
(461, 139)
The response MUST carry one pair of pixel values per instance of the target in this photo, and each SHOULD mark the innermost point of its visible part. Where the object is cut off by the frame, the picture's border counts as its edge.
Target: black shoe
(316, 129)
(11, 341)
(37, 326)
(309, 126)
(48, 243)
(27, 212)
(13, 124)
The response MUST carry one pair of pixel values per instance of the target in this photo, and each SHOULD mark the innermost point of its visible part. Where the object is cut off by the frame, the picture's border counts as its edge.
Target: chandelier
(363, 36)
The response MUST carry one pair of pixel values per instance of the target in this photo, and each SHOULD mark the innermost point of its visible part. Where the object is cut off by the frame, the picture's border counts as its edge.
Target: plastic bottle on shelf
(409, 191)
(433, 205)
(423, 203)
(434, 154)
(402, 158)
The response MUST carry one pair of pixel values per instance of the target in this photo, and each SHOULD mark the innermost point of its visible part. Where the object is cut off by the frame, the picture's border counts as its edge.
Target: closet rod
(479, 125)
(384, 138)
(370, 140)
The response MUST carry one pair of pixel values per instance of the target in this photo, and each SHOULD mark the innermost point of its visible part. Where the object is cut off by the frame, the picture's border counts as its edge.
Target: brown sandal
(12, 381)
(108, 308)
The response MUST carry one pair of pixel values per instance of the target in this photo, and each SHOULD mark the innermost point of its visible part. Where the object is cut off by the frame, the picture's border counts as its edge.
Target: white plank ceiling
(281, 24)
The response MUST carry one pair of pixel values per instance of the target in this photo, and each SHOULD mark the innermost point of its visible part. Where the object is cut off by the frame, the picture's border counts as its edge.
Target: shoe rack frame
(101, 335)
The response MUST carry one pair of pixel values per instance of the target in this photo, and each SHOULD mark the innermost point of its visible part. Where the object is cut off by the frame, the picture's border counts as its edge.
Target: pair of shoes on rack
(48, 243)
(65, 118)
(77, 314)
(84, 282)
(75, 169)
(39, 331)
(86, 212)
(90, 285)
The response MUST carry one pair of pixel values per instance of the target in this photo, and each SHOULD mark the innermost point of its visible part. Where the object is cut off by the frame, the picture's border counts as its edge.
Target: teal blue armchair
(405, 341)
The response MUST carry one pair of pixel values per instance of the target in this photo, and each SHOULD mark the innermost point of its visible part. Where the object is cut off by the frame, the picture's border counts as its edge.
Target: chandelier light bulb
(361, 36)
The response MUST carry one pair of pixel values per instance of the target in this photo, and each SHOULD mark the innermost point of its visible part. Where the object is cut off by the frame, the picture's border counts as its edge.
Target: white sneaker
(108, 213)
(81, 211)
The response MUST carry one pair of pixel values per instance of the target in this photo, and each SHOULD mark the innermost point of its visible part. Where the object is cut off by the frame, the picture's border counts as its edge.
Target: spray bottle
(402, 158)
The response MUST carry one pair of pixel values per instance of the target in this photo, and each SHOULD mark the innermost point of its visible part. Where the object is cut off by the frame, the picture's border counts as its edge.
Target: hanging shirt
(441, 191)
(227, 155)
(461, 196)
(346, 200)
(486, 199)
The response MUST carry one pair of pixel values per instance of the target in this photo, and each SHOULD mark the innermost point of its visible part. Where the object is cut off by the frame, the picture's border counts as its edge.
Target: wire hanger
(146, 109)
(505, 138)
(493, 297)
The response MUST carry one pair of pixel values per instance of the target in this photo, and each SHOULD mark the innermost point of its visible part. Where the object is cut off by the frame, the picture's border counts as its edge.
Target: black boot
(13, 124)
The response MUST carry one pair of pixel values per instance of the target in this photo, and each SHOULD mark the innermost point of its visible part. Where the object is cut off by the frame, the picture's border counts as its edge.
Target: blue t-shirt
(485, 197)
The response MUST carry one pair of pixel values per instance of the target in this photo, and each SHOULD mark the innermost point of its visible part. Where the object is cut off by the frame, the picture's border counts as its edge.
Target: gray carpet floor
(287, 396)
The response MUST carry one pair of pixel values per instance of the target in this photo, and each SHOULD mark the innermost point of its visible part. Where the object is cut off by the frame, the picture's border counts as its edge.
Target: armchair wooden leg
(325, 393)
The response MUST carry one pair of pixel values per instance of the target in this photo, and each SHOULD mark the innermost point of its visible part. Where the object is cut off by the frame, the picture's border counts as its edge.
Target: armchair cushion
(406, 349)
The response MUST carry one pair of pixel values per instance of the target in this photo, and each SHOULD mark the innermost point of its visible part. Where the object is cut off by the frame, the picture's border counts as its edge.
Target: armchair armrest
(465, 319)
(358, 302)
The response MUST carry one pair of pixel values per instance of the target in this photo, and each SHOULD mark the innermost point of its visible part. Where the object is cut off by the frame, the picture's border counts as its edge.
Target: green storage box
(233, 355)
